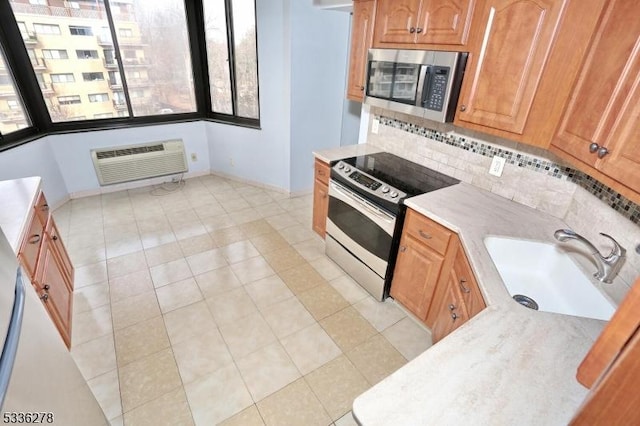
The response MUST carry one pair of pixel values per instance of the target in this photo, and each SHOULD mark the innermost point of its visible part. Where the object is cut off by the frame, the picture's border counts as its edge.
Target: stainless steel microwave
(416, 82)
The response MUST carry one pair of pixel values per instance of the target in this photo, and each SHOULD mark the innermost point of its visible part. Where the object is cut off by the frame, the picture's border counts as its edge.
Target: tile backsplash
(531, 176)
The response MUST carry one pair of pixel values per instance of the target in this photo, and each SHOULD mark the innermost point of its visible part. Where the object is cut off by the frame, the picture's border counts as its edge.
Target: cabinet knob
(462, 286)
(593, 147)
(362, 88)
(403, 249)
(54, 238)
(602, 152)
(424, 235)
(454, 316)
(44, 297)
(452, 307)
(46, 287)
(463, 108)
(418, 30)
(34, 239)
(45, 207)
(412, 30)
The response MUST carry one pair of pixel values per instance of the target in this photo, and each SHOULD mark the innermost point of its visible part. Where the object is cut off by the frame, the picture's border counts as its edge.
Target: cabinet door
(30, 248)
(508, 60)
(452, 312)
(415, 276)
(468, 285)
(604, 105)
(361, 39)
(61, 252)
(444, 21)
(320, 207)
(396, 21)
(54, 290)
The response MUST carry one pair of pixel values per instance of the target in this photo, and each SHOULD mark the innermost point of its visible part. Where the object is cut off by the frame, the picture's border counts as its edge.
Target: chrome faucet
(608, 266)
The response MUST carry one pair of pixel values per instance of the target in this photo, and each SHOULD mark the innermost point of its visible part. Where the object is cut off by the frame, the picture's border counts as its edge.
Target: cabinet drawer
(427, 231)
(30, 248)
(42, 209)
(322, 171)
(467, 284)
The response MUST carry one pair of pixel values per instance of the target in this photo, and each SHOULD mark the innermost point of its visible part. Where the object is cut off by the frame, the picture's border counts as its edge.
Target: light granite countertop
(334, 154)
(508, 364)
(17, 198)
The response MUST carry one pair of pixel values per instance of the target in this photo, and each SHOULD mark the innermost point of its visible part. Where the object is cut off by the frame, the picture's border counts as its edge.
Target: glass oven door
(361, 227)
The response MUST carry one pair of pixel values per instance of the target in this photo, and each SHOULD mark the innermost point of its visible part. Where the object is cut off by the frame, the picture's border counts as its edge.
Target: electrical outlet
(194, 156)
(497, 166)
(375, 126)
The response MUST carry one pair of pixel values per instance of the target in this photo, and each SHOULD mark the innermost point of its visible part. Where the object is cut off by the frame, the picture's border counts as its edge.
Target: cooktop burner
(408, 177)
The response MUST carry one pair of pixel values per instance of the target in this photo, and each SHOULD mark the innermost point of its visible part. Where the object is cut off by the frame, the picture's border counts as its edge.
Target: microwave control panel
(436, 88)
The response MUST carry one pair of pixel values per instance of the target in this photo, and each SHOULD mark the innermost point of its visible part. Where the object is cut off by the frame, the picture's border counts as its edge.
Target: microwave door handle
(13, 337)
(424, 84)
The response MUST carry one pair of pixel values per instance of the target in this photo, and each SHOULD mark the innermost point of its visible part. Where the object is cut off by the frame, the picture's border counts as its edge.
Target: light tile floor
(216, 304)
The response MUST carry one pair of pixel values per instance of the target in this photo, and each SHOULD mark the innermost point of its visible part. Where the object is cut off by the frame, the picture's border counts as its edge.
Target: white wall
(319, 54)
(261, 155)
(35, 159)
(72, 151)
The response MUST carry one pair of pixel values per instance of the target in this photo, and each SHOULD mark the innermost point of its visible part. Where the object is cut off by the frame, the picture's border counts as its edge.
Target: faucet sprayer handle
(617, 250)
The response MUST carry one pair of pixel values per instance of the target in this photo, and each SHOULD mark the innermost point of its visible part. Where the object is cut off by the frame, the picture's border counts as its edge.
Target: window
(93, 76)
(12, 113)
(243, 68)
(81, 31)
(38, 2)
(98, 97)
(87, 54)
(69, 100)
(55, 54)
(13, 104)
(46, 29)
(154, 61)
(62, 78)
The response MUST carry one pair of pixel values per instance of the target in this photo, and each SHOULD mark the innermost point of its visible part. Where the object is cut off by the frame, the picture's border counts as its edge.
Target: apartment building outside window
(55, 54)
(87, 54)
(80, 31)
(93, 76)
(46, 29)
(148, 69)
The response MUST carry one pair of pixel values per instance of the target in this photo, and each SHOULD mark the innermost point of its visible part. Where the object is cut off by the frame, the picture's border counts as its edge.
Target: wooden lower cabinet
(432, 277)
(43, 256)
(54, 289)
(451, 311)
(416, 274)
(320, 197)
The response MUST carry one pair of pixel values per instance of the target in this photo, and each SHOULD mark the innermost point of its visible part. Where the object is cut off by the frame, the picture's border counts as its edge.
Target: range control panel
(368, 182)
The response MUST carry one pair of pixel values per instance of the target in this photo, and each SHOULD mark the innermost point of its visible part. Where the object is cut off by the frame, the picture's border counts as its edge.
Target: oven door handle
(380, 214)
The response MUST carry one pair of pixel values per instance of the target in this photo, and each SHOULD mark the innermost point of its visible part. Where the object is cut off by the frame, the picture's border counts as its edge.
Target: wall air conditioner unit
(134, 162)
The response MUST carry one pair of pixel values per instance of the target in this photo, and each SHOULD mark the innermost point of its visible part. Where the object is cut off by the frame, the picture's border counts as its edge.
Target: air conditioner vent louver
(124, 164)
(128, 151)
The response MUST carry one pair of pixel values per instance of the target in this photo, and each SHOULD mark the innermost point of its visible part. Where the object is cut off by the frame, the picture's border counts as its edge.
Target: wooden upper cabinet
(445, 21)
(361, 39)
(603, 111)
(394, 20)
(419, 24)
(509, 57)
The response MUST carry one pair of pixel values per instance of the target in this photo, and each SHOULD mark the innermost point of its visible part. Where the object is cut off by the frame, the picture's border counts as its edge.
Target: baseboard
(251, 182)
(135, 184)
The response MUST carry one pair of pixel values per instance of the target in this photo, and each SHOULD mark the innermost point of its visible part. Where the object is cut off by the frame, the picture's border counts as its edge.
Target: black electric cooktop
(407, 176)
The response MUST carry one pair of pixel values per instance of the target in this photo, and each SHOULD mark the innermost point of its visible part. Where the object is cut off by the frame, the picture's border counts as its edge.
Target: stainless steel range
(366, 213)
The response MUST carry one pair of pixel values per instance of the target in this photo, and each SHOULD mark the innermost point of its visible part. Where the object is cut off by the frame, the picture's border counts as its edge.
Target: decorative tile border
(616, 201)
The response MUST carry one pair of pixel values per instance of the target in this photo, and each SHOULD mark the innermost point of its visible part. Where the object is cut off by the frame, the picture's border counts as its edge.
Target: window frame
(41, 124)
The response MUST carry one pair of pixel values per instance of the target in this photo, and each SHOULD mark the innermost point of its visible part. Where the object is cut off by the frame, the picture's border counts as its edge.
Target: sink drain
(526, 301)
